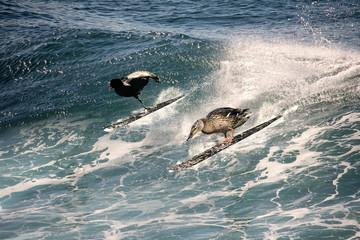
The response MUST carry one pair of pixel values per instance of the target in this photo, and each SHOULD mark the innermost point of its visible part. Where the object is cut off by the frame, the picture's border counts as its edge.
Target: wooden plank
(142, 114)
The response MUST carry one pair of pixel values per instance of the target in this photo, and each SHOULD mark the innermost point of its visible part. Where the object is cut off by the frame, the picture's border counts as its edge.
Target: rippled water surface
(63, 177)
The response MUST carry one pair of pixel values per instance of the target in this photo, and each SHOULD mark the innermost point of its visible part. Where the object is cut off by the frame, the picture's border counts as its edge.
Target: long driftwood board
(142, 114)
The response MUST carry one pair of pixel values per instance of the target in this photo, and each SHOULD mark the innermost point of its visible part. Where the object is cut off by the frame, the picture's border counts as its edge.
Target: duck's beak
(190, 137)
(110, 89)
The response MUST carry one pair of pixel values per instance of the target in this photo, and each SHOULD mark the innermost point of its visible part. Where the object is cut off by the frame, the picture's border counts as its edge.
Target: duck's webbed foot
(226, 140)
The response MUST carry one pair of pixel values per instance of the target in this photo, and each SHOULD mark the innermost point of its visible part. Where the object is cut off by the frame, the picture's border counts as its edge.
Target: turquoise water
(63, 177)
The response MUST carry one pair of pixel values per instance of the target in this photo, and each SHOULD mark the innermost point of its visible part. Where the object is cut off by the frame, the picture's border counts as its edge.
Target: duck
(132, 84)
(220, 120)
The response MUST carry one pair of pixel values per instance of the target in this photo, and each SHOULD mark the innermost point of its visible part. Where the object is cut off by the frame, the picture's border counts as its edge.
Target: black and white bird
(132, 84)
(220, 120)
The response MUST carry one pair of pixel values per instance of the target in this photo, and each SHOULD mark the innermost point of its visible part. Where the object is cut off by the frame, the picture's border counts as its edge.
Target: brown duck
(133, 84)
(221, 120)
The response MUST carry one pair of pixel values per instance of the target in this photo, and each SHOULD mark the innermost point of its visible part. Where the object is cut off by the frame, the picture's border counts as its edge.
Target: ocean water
(63, 177)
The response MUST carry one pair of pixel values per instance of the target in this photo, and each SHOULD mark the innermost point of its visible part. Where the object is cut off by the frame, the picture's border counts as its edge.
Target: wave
(314, 87)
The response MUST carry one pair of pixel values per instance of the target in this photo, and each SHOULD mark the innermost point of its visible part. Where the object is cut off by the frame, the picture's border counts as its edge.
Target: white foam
(272, 171)
(2, 153)
(336, 180)
(109, 130)
(269, 76)
(169, 219)
(348, 118)
(290, 110)
(114, 148)
(27, 184)
(168, 93)
(40, 142)
(111, 149)
(305, 216)
(205, 197)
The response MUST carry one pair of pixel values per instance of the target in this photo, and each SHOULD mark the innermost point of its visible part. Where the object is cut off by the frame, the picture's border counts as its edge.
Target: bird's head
(246, 114)
(196, 128)
(157, 79)
(115, 83)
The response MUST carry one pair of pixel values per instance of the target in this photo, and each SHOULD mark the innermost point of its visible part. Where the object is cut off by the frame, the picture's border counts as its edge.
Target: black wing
(137, 84)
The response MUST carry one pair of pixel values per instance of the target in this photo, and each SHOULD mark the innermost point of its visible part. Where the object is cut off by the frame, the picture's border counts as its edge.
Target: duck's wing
(226, 112)
(137, 84)
(141, 74)
(224, 119)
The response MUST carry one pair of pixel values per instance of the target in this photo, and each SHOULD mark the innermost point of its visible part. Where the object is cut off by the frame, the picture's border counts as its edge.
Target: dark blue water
(63, 177)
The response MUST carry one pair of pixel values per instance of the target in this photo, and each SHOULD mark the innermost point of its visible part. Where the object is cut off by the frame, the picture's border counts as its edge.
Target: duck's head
(246, 114)
(196, 128)
(115, 83)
